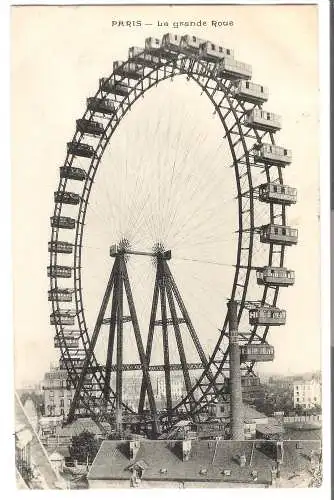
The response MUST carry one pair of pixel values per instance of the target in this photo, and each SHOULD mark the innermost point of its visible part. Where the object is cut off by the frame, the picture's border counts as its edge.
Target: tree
(84, 447)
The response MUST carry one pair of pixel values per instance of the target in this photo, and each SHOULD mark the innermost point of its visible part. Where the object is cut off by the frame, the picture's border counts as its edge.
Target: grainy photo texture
(166, 246)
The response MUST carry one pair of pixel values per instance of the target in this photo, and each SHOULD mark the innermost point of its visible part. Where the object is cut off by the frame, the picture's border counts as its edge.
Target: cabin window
(212, 46)
(268, 116)
(175, 37)
(247, 85)
(220, 49)
(275, 189)
(261, 88)
(194, 39)
(228, 52)
(275, 230)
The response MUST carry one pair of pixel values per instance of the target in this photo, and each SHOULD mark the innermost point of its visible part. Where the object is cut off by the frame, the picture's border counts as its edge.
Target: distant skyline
(36, 382)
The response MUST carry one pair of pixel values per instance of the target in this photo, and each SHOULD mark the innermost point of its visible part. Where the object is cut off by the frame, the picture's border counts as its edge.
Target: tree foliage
(84, 447)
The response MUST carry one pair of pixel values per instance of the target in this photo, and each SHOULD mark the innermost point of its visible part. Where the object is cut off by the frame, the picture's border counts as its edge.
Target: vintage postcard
(166, 246)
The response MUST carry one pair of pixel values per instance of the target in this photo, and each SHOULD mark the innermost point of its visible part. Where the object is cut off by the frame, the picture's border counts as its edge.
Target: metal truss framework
(91, 377)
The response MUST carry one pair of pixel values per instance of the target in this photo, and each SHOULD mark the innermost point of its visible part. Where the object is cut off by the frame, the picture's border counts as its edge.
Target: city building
(57, 392)
(207, 463)
(306, 393)
(61, 439)
(33, 465)
(252, 417)
(177, 388)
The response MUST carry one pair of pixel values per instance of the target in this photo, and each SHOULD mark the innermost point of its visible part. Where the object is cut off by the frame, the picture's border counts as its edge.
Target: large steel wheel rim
(231, 112)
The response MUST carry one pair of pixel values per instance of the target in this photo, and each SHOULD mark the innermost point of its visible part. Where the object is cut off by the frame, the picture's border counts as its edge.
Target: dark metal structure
(258, 167)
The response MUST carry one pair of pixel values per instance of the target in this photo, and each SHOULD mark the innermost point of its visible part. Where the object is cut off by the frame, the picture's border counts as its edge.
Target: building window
(62, 403)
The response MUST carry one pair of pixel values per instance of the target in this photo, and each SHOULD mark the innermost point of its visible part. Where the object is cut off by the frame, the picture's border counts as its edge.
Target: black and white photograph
(166, 246)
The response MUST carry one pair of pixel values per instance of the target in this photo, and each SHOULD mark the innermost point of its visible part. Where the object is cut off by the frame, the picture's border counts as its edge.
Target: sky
(58, 55)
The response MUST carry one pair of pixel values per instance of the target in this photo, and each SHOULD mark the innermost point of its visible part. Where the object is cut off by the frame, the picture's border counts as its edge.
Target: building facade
(306, 393)
(57, 393)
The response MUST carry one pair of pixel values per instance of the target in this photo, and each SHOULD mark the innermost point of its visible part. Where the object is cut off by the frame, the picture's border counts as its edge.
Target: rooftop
(251, 414)
(80, 425)
(207, 460)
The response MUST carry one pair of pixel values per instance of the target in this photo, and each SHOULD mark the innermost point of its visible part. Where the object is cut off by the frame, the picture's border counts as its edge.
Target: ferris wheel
(145, 209)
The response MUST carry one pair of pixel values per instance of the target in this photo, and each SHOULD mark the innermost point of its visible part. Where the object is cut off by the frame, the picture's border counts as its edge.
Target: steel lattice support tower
(118, 289)
(167, 294)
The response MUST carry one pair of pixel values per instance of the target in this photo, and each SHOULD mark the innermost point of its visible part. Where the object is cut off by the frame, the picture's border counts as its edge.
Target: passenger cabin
(171, 41)
(277, 276)
(75, 361)
(153, 44)
(113, 87)
(128, 70)
(280, 235)
(60, 247)
(191, 43)
(263, 120)
(61, 294)
(212, 53)
(66, 197)
(274, 155)
(251, 92)
(230, 68)
(80, 149)
(103, 106)
(90, 127)
(267, 316)
(248, 383)
(63, 222)
(256, 352)
(69, 342)
(138, 54)
(61, 320)
(62, 317)
(277, 193)
(59, 271)
(77, 174)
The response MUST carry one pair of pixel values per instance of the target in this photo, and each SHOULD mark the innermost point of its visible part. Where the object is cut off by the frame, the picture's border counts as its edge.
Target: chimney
(186, 449)
(242, 460)
(273, 475)
(279, 452)
(133, 449)
(236, 409)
